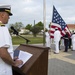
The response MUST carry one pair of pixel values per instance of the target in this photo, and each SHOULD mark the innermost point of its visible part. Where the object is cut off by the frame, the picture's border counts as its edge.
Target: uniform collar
(1, 24)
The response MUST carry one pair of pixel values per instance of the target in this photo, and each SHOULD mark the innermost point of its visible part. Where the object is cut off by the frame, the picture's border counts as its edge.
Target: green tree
(17, 26)
(28, 26)
(40, 24)
(35, 30)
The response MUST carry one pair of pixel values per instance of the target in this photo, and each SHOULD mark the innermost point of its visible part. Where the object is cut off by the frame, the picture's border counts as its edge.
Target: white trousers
(48, 44)
(56, 47)
(73, 45)
(5, 69)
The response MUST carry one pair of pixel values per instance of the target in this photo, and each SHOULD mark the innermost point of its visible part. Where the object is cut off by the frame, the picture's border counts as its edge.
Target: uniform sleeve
(4, 38)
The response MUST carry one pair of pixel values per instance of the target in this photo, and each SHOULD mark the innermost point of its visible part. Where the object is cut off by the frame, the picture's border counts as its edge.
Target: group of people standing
(69, 41)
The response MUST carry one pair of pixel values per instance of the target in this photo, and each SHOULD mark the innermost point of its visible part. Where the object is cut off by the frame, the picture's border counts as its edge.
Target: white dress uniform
(48, 44)
(57, 36)
(5, 41)
(73, 41)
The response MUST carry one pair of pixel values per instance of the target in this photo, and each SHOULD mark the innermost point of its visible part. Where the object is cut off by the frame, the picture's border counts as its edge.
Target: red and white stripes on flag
(52, 29)
(58, 22)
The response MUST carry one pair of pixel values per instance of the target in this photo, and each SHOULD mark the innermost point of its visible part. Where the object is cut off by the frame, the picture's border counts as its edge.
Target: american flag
(58, 22)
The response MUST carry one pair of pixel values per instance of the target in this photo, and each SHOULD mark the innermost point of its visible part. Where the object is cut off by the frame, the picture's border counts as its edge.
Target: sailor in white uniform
(5, 41)
(48, 44)
(73, 41)
(6, 48)
(57, 37)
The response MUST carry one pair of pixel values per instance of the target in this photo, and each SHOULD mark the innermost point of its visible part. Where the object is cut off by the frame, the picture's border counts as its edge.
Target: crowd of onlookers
(68, 40)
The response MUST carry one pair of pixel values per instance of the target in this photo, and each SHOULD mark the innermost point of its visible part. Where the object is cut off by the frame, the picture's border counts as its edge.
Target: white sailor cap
(6, 8)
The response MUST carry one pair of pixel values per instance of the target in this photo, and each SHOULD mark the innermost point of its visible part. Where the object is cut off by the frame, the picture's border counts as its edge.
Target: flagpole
(44, 20)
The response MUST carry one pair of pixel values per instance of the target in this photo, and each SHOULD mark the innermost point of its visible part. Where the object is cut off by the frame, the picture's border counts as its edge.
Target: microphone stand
(15, 32)
(27, 40)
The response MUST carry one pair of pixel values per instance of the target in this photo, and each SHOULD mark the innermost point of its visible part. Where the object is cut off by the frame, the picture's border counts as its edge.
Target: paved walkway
(62, 63)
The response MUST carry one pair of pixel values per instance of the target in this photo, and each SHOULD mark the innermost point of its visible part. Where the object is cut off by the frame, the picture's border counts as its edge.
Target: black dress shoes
(65, 51)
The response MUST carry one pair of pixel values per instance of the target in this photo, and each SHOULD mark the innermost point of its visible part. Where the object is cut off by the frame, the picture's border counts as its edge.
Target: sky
(26, 11)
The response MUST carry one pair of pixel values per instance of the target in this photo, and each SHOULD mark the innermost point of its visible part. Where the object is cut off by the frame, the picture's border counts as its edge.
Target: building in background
(71, 27)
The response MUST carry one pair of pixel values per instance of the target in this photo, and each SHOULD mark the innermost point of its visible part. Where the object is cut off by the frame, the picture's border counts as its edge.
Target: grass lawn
(33, 40)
